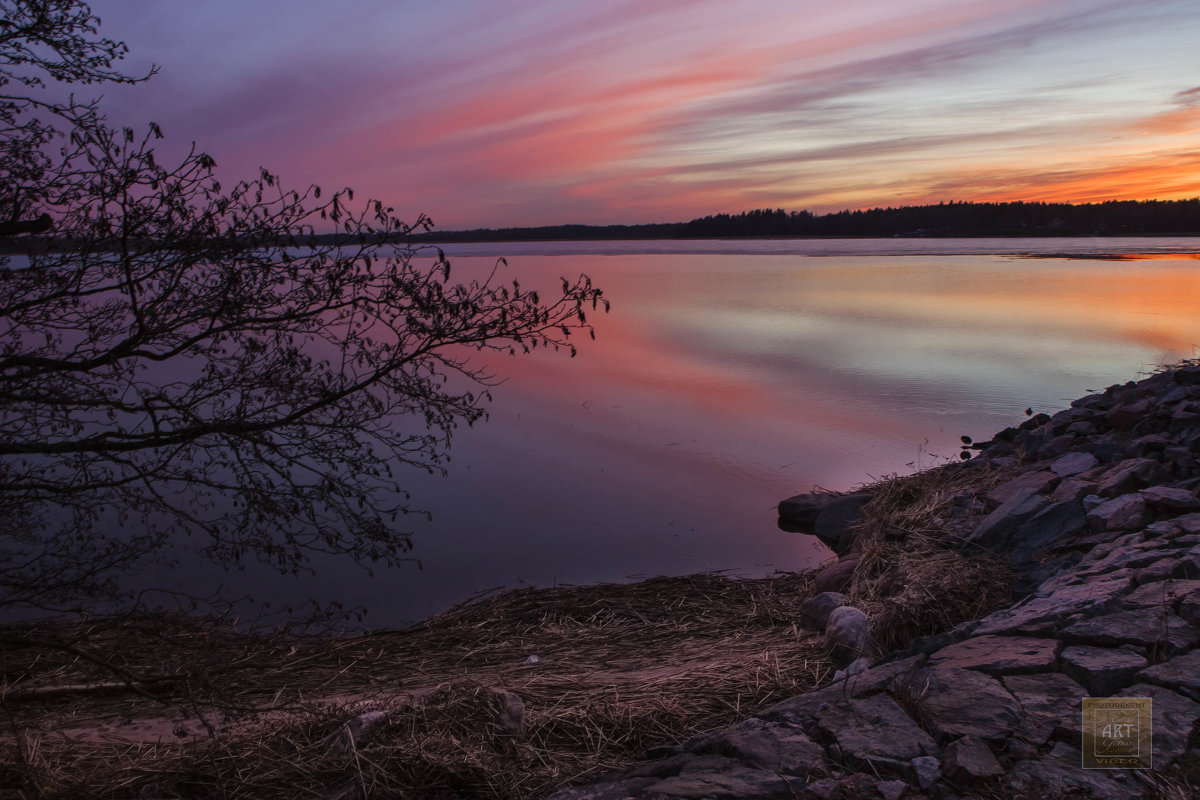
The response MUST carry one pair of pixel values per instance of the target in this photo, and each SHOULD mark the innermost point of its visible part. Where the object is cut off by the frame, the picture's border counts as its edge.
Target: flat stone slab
(774, 746)
(995, 530)
(1073, 464)
(1059, 774)
(1044, 699)
(742, 783)
(969, 759)
(1127, 476)
(1160, 594)
(872, 681)
(874, 732)
(1125, 512)
(1101, 670)
(1173, 717)
(1180, 671)
(962, 702)
(1170, 497)
(1037, 482)
(1039, 613)
(999, 655)
(1145, 627)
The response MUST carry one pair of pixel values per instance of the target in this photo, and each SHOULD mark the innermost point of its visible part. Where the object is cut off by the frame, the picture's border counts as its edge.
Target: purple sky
(527, 113)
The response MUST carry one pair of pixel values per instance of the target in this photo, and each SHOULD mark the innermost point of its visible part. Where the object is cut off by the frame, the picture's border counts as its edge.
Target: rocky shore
(1099, 516)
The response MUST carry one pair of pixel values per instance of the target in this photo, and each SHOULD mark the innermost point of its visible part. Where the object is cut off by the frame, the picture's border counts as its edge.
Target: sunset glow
(524, 113)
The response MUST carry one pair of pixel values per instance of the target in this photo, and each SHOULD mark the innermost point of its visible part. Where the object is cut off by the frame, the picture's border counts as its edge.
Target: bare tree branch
(185, 359)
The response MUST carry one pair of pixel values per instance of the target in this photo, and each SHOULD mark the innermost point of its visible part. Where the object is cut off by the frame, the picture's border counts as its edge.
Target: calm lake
(732, 374)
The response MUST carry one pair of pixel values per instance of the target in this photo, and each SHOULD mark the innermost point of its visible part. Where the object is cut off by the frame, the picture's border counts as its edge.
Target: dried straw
(623, 672)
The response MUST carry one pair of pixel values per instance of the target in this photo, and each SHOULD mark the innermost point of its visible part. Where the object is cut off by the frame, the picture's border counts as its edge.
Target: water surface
(732, 374)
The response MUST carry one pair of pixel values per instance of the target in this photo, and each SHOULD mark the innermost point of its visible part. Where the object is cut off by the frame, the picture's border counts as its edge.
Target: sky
(494, 113)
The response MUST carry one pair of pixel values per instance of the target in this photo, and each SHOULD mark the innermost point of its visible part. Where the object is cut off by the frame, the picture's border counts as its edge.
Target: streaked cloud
(531, 113)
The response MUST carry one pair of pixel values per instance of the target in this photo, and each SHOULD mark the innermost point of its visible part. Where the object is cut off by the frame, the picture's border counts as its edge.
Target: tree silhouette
(177, 358)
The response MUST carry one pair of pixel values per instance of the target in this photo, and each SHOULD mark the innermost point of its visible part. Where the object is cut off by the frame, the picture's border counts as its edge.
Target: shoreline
(524, 693)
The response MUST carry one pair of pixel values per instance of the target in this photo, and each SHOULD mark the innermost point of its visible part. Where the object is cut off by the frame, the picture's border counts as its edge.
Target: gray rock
(1069, 416)
(836, 577)
(1059, 775)
(806, 706)
(1043, 699)
(998, 655)
(823, 789)
(1189, 565)
(874, 733)
(838, 517)
(1095, 402)
(1045, 612)
(1171, 498)
(1101, 670)
(623, 789)
(775, 746)
(969, 759)
(1037, 482)
(848, 633)
(1189, 609)
(1174, 395)
(732, 785)
(876, 679)
(1120, 558)
(1180, 672)
(1174, 716)
(927, 769)
(1157, 571)
(512, 714)
(995, 529)
(1127, 476)
(1126, 415)
(1124, 513)
(1072, 490)
(1051, 527)
(1187, 523)
(1160, 594)
(961, 702)
(1032, 575)
(1104, 449)
(891, 790)
(855, 668)
(802, 510)
(360, 729)
(1146, 627)
(815, 611)
(1073, 464)
(1146, 446)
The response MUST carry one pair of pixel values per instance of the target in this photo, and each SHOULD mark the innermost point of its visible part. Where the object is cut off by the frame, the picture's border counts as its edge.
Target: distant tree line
(1114, 218)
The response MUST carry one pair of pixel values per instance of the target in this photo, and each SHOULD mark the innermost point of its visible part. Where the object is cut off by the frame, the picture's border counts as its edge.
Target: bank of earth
(943, 652)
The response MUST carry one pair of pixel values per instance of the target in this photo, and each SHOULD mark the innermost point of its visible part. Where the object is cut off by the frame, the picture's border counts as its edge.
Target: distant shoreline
(1117, 219)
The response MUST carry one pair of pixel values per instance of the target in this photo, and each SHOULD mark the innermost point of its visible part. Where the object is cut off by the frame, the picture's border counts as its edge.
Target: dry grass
(913, 580)
(622, 671)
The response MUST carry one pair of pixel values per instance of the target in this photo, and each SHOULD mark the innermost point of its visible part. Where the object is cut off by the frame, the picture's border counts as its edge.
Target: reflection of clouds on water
(720, 384)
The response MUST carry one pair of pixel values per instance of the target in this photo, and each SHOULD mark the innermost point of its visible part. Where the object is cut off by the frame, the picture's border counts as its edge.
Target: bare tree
(177, 358)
